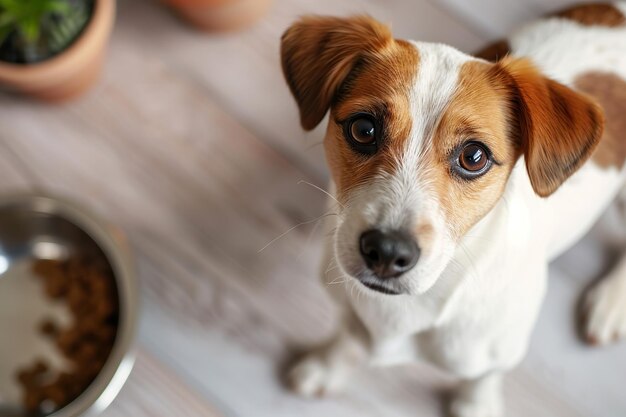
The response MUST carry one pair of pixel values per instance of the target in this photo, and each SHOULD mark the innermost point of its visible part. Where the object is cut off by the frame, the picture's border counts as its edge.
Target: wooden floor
(191, 144)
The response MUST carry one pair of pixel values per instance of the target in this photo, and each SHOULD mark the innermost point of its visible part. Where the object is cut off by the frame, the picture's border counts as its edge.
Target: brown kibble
(77, 300)
(55, 393)
(86, 352)
(46, 267)
(67, 382)
(99, 284)
(104, 309)
(49, 328)
(39, 367)
(89, 326)
(88, 289)
(107, 334)
(55, 287)
(24, 377)
(76, 269)
(32, 400)
(92, 368)
(67, 340)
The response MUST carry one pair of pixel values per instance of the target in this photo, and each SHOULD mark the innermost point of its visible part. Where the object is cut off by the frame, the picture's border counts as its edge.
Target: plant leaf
(30, 29)
(61, 7)
(6, 4)
(31, 19)
(5, 30)
(6, 20)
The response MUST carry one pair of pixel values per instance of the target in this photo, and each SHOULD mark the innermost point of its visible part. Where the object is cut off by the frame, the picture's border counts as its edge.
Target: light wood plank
(154, 391)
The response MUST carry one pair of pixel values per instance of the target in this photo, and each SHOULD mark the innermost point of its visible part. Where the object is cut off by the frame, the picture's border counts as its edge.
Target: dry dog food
(88, 288)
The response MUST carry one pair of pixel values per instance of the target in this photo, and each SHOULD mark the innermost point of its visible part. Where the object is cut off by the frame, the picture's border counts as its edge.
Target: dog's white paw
(462, 407)
(605, 311)
(315, 376)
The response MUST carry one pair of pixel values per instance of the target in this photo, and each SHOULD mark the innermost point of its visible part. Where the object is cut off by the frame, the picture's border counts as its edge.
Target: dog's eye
(473, 160)
(363, 130)
(362, 133)
(473, 157)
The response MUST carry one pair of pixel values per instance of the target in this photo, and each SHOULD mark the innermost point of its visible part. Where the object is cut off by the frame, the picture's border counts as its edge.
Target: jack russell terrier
(457, 179)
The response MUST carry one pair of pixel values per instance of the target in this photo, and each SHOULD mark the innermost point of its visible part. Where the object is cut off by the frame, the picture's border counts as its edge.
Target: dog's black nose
(389, 254)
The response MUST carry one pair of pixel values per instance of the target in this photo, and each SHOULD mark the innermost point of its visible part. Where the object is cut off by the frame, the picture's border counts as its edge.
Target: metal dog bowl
(38, 227)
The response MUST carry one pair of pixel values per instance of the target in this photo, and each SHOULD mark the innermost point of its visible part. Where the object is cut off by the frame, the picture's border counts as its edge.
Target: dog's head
(421, 140)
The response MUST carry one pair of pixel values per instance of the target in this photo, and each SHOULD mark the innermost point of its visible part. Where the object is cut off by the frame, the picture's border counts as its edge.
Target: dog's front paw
(462, 407)
(316, 376)
(605, 311)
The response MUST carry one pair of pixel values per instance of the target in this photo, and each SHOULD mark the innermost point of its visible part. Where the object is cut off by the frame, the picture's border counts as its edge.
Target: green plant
(36, 29)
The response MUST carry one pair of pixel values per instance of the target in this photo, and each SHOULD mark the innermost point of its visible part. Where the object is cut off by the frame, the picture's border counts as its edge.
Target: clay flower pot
(71, 72)
(219, 15)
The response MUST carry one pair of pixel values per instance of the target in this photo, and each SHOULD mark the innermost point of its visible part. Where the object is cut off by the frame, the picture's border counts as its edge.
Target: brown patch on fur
(387, 98)
(610, 91)
(477, 112)
(352, 65)
(494, 52)
(601, 14)
(512, 109)
(558, 127)
(318, 53)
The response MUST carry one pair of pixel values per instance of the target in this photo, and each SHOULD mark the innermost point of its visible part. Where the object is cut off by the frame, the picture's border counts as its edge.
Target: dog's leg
(325, 370)
(605, 307)
(481, 397)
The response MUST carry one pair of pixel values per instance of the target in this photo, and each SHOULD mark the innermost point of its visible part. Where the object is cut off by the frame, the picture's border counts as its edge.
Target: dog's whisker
(308, 239)
(323, 191)
(462, 269)
(482, 238)
(352, 289)
(330, 268)
(338, 280)
(314, 144)
(506, 203)
(469, 258)
(295, 227)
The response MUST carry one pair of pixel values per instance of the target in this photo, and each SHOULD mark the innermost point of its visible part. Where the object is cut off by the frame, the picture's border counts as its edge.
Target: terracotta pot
(71, 72)
(219, 15)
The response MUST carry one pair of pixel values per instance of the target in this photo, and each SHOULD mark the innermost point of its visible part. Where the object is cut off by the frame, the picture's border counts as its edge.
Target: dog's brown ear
(318, 53)
(558, 127)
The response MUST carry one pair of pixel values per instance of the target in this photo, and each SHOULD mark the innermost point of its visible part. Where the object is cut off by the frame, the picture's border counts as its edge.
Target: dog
(456, 179)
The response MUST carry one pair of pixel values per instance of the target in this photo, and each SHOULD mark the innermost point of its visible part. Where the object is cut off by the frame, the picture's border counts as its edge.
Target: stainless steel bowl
(36, 227)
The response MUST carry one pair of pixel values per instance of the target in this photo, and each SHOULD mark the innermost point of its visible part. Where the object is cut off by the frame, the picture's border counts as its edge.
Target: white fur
(470, 307)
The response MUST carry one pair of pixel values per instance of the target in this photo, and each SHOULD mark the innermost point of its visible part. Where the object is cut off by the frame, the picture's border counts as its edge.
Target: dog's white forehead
(434, 86)
(406, 192)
